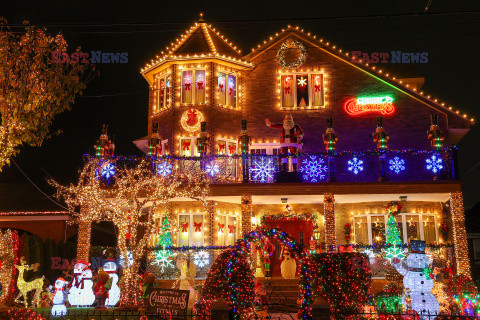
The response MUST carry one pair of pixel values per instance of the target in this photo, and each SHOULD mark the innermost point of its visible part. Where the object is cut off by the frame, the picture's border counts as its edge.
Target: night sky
(118, 96)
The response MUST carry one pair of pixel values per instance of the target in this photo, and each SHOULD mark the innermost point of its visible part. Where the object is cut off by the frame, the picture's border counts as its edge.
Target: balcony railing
(368, 166)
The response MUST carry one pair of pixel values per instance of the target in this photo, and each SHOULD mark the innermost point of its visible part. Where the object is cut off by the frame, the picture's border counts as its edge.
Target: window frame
(310, 90)
(227, 74)
(194, 87)
(193, 144)
(191, 228)
(166, 102)
(233, 141)
(228, 218)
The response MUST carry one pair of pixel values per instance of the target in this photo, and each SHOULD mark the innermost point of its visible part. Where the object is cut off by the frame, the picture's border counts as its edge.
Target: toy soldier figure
(155, 142)
(291, 140)
(104, 147)
(330, 139)
(244, 142)
(435, 135)
(380, 138)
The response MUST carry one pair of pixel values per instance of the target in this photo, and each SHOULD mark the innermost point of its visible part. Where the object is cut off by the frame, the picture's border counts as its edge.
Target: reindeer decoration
(25, 287)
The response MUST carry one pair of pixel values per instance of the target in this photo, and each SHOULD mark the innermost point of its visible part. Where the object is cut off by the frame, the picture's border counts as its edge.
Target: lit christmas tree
(165, 239)
(162, 257)
(393, 240)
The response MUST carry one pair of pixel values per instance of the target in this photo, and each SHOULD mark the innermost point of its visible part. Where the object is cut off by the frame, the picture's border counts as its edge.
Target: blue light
(212, 169)
(108, 171)
(262, 169)
(164, 168)
(313, 168)
(434, 163)
(355, 165)
(397, 165)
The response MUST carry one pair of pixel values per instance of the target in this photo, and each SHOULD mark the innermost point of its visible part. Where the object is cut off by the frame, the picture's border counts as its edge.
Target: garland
(290, 217)
(348, 232)
(292, 44)
(444, 231)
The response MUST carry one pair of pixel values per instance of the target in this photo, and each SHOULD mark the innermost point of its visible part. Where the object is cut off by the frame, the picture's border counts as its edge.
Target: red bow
(192, 117)
(231, 91)
(287, 90)
(197, 226)
(200, 85)
(185, 227)
(232, 148)
(221, 147)
(231, 228)
(186, 145)
(188, 86)
(347, 248)
(220, 227)
(317, 88)
(220, 87)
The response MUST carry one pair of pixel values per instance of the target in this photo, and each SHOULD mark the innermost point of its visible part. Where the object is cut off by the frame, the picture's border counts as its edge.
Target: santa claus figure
(290, 141)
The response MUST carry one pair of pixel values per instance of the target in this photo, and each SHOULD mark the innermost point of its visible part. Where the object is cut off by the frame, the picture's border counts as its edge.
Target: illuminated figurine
(155, 142)
(291, 141)
(77, 286)
(110, 267)
(58, 299)
(203, 139)
(104, 146)
(435, 135)
(380, 137)
(244, 141)
(418, 279)
(88, 297)
(104, 283)
(288, 265)
(330, 138)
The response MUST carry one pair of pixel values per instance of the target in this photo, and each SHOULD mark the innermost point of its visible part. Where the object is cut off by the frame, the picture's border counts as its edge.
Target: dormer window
(227, 89)
(161, 92)
(193, 86)
(302, 90)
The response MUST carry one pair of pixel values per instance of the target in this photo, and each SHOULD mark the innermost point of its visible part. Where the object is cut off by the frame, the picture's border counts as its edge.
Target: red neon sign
(359, 106)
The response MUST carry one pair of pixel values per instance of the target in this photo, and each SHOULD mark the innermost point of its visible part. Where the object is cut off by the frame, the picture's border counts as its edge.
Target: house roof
(201, 40)
(373, 70)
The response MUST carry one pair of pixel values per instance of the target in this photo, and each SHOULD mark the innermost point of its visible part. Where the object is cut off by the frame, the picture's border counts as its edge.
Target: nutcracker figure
(434, 134)
(244, 141)
(203, 139)
(104, 147)
(330, 138)
(154, 142)
(291, 141)
(380, 137)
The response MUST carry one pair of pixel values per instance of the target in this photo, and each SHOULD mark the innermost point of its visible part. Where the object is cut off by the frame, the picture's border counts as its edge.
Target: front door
(300, 230)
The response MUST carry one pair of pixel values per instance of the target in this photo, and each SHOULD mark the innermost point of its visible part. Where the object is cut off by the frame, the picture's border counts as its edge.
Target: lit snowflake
(313, 168)
(370, 254)
(395, 251)
(262, 169)
(212, 169)
(201, 258)
(164, 168)
(434, 163)
(108, 170)
(355, 165)
(397, 165)
(162, 259)
(302, 82)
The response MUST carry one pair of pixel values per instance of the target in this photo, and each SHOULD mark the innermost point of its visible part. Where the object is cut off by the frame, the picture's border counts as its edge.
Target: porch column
(246, 214)
(329, 214)
(459, 234)
(83, 242)
(210, 222)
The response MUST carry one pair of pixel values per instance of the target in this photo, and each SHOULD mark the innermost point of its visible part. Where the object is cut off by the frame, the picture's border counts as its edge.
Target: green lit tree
(163, 257)
(165, 239)
(393, 240)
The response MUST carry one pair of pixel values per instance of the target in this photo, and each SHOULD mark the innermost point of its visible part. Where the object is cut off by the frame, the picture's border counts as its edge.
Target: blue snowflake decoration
(434, 163)
(313, 168)
(107, 171)
(262, 169)
(355, 165)
(212, 169)
(164, 168)
(396, 165)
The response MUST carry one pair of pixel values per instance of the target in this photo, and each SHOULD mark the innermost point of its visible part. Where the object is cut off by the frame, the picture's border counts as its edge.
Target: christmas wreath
(191, 120)
(291, 44)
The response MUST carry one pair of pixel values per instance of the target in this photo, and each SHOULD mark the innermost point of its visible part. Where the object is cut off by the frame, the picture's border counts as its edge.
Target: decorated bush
(230, 278)
(465, 296)
(389, 300)
(343, 279)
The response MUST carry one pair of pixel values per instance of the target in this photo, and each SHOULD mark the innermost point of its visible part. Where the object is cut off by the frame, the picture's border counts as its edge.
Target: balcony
(349, 167)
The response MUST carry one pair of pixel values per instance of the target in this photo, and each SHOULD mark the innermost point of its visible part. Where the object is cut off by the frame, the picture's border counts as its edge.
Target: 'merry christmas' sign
(360, 106)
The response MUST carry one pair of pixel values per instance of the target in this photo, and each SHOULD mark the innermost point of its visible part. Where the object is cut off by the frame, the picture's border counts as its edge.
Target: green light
(375, 100)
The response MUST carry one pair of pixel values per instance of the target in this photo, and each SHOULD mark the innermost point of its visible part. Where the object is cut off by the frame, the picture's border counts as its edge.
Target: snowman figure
(58, 300)
(289, 265)
(418, 278)
(77, 285)
(110, 267)
(88, 297)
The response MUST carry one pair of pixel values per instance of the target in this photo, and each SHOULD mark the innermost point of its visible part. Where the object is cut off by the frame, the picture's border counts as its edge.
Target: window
(227, 89)
(188, 147)
(193, 86)
(226, 229)
(227, 147)
(161, 92)
(371, 228)
(303, 90)
(265, 148)
(191, 229)
(165, 151)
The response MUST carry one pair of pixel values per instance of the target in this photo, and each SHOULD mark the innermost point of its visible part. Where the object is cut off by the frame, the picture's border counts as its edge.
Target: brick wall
(53, 229)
